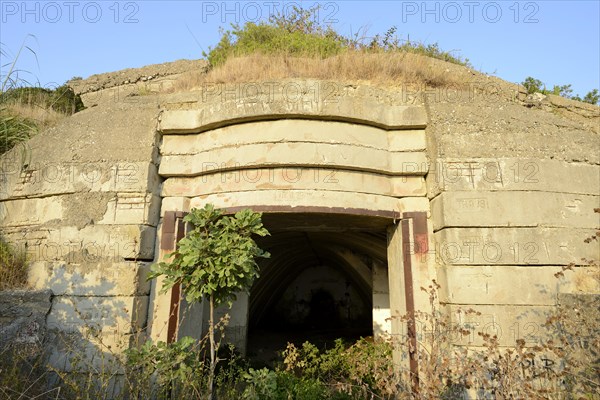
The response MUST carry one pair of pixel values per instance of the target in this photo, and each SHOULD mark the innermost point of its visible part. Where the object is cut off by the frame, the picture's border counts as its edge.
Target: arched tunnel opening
(318, 284)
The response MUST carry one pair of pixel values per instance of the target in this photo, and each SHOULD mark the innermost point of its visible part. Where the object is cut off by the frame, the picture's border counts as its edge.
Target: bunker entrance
(318, 284)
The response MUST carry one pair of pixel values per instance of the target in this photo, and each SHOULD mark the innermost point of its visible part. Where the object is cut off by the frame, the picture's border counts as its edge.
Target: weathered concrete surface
(508, 322)
(295, 131)
(513, 246)
(90, 243)
(298, 178)
(382, 324)
(113, 314)
(23, 317)
(221, 113)
(91, 279)
(497, 127)
(513, 194)
(299, 200)
(472, 173)
(296, 155)
(85, 196)
(514, 209)
(81, 199)
(529, 285)
(40, 178)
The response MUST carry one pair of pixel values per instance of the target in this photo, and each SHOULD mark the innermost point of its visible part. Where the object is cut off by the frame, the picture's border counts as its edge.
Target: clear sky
(557, 42)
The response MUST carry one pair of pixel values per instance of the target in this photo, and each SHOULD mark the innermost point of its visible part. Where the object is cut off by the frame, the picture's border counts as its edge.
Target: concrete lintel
(346, 109)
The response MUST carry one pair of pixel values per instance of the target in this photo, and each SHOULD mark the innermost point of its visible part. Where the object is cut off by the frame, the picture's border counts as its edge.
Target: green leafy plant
(533, 85)
(592, 97)
(171, 364)
(564, 91)
(215, 260)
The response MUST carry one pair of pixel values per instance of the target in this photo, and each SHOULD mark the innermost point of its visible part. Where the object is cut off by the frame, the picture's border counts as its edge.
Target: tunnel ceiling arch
(292, 252)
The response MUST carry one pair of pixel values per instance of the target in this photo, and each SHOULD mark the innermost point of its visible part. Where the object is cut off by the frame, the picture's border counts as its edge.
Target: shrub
(178, 369)
(269, 39)
(62, 99)
(592, 97)
(533, 85)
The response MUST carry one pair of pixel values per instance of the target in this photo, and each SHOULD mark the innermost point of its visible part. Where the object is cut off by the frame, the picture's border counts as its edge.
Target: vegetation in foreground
(301, 34)
(361, 370)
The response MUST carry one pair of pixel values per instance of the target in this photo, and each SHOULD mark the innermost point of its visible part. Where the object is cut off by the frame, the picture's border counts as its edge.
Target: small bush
(62, 99)
(266, 39)
(533, 85)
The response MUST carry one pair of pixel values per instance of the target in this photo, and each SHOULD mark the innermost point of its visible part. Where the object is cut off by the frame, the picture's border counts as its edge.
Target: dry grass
(378, 68)
(13, 267)
(41, 116)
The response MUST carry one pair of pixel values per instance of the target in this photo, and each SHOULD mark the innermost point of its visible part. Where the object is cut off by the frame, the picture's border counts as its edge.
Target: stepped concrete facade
(369, 196)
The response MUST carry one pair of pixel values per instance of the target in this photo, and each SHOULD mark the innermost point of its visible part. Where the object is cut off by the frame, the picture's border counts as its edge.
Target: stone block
(219, 112)
(92, 244)
(295, 155)
(174, 204)
(513, 174)
(453, 209)
(513, 246)
(132, 208)
(84, 315)
(283, 131)
(91, 279)
(23, 317)
(313, 201)
(407, 140)
(485, 284)
(39, 179)
(295, 179)
(508, 322)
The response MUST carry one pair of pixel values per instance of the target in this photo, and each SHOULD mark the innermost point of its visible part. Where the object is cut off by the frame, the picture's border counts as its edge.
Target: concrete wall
(82, 199)
(511, 204)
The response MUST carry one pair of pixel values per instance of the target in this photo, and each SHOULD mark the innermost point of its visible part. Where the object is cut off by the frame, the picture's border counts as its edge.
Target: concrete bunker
(332, 183)
(370, 181)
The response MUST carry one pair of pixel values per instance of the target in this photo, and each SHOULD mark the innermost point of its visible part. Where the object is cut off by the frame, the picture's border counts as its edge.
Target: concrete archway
(333, 180)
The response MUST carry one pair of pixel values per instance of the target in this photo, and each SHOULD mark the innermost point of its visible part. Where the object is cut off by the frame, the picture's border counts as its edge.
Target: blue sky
(557, 42)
